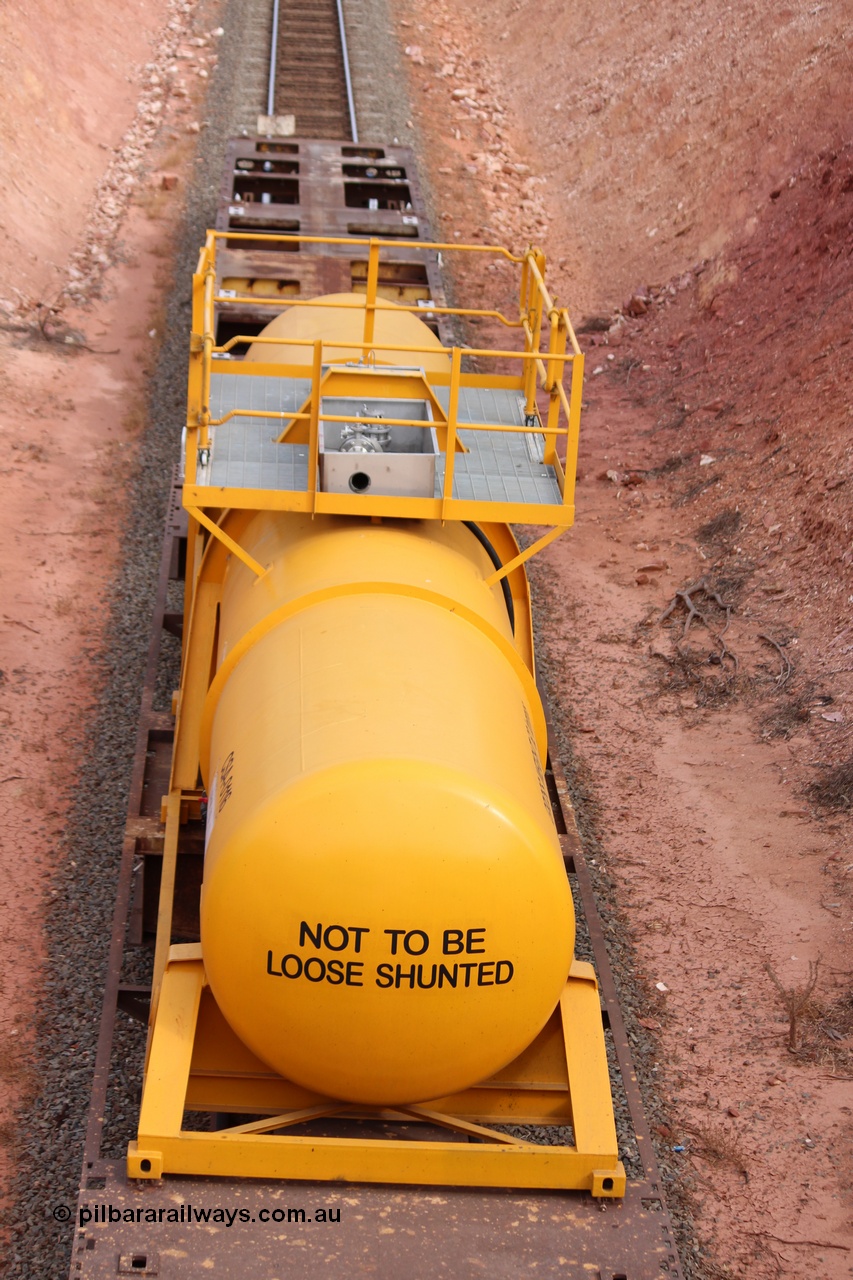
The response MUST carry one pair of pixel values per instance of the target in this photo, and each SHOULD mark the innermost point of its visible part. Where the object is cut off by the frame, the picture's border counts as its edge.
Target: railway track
(309, 69)
(494, 1229)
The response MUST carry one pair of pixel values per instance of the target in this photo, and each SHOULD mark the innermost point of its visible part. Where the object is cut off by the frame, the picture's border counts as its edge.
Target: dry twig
(16, 622)
(53, 329)
(685, 597)
(815, 1244)
(795, 999)
(785, 673)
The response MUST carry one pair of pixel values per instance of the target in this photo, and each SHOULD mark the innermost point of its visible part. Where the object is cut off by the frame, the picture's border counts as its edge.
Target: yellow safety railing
(550, 353)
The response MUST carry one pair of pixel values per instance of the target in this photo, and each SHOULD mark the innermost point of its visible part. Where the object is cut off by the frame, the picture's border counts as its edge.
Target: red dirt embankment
(688, 173)
(93, 105)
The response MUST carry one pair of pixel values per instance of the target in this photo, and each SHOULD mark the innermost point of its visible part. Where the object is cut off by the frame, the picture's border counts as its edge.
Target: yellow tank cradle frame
(195, 1062)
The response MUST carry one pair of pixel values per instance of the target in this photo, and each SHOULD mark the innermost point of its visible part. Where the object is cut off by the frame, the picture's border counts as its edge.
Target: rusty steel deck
(311, 187)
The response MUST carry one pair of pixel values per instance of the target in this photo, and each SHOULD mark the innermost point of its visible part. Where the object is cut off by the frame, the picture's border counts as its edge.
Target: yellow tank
(385, 914)
(338, 318)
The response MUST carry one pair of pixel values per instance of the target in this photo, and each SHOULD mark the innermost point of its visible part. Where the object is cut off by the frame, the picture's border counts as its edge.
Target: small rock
(636, 305)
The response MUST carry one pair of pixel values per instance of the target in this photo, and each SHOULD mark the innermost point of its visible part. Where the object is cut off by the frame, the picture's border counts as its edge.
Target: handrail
(442, 246)
(397, 348)
(284, 415)
(550, 346)
(231, 299)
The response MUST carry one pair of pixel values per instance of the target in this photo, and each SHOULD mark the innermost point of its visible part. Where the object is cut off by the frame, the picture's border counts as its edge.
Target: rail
(546, 370)
(353, 123)
(307, 77)
(273, 61)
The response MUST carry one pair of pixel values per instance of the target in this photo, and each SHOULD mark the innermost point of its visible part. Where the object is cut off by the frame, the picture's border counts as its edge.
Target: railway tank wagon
(386, 928)
(349, 842)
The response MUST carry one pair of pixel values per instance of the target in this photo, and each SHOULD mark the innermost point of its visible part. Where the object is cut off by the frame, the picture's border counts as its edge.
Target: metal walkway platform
(498, 467)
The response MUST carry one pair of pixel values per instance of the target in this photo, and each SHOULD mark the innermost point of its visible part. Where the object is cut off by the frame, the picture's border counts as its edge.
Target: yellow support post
(370, 299)
(524, 556)
(314, 419)
(589, 1084)
(170, 1054)
(536, 260)
(573, 438)
(452, 413)
(233, 547)
(553, 376)
(200, 632)
(207, 356)
(167, 893)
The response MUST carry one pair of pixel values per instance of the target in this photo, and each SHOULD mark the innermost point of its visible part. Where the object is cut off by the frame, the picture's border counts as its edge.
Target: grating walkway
(501, 466)
(244, 453)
